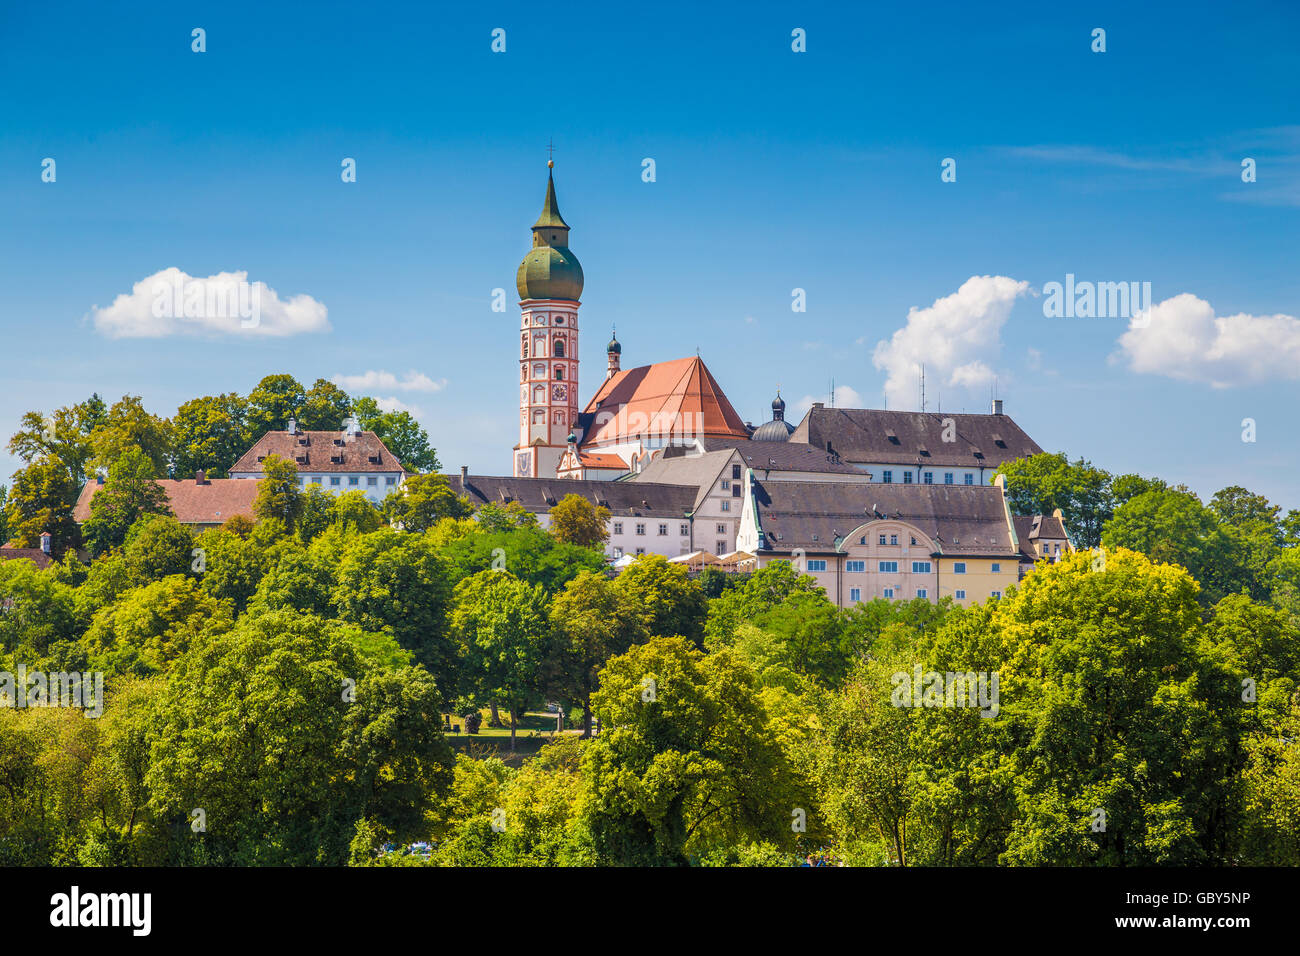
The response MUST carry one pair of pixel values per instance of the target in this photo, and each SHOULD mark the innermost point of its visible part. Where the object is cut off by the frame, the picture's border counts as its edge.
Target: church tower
(549, 281)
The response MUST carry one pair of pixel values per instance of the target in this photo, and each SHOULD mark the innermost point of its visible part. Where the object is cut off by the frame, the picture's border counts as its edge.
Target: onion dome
(550, 270)
(778, 429)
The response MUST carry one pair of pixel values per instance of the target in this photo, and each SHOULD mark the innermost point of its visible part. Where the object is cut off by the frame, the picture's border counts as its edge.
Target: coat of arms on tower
(524, 459)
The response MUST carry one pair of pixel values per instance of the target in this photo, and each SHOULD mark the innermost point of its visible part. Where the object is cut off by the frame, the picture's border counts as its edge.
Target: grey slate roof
(1030, 528)
(877, 435)
(962, 519)
(539, 495)
(783, 456)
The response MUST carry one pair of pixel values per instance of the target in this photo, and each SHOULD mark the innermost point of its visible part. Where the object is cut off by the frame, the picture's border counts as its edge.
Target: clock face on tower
(559, 393)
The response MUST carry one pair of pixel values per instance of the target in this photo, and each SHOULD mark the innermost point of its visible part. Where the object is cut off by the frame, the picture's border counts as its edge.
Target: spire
(550, 217)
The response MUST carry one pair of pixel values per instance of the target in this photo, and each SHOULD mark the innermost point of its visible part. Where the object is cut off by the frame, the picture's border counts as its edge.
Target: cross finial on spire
(550, 153)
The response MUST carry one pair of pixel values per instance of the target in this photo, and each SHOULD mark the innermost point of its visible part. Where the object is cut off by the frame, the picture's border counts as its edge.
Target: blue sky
(775, 170)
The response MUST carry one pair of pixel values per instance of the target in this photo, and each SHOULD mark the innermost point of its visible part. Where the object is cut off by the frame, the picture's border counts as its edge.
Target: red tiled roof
(680, 399)
(595, 460)
(35, 555)
(321, 452)
(212, 502)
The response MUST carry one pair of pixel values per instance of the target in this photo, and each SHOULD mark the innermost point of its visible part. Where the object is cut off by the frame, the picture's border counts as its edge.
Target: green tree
(763, 590)
(151, 626)
(592, 621)
(41, 499)
(500, 623)
(400, 432)
(421, 501)
(210, 434)
(131, 492)
(325, 407)
(272, 402)
(396, 583)
(1042, 483)
(278, 492)
(158, 545)
(668, 602)
(129, 426)
(687, 760)
(63, 436)
(576, 520)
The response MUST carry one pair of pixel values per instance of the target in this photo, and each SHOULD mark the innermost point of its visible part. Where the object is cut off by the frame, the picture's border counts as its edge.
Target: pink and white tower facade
(549, 281)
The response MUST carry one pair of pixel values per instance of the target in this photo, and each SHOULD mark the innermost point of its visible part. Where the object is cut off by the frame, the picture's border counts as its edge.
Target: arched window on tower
(559, 373)
(539, 395)
(558, 351)
(523, 344)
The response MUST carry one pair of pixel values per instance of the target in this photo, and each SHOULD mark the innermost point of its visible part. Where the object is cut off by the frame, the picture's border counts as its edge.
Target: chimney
(293, 426)
(200, 478)
(464, 477)
(997, 406)
(45, 541)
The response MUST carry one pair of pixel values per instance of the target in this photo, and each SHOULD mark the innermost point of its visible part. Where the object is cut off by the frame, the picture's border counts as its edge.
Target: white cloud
(394, 404)
(372, 379)
(172, 302)
(845, 397)
(956, 339)
(1185, 340)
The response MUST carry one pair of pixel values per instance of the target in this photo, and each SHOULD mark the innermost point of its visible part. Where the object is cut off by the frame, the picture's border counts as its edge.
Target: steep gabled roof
(679, 399)
(783, 456)
(872, 435)
(321, 452)
(212, 502)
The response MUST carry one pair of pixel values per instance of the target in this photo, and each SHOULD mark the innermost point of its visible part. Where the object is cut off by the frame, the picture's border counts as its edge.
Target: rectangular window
(970, 479)
(929, 477)
(316, 480)
(390, 480)
(920, 567)
(372, 481)
(889, 592)
(640, 550)
(663, 530)
(726, 506)
(735, 472)
(618, 552)
(921, 592)
(721, 548)
(893, 539)
(888, 567)
(855, 594)
(907, 477)
(817, 564)
(735, 491)
(722, 529)
(997, 567)
(947, 477)
(959, 567)
(855, 567)
(960, 595)
(996, 594)
(684, 530)
(618, 527)
(726, 484)
(887, 476)
(334, 480)
(640, 529)
(302, 481)
(883, 539)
